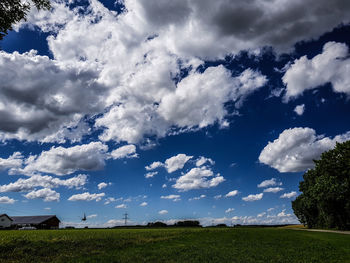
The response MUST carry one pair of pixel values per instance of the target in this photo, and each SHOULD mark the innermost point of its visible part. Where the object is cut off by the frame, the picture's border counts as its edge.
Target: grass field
(174, 245)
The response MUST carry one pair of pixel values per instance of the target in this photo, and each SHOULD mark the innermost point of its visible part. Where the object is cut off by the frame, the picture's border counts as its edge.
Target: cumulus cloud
(41, 99)
(171, 164)
(289, 195)
(154, 165)
(283, 214)
(197, 178)
(203, 160)
(12, 162)
(92, 216)
(273, 189)
(127, 151)
(261, 214)
(295, 149)
(63, 161)
(197, 197)
(24, 185)
(331, 66)
(163, 212)
(86, 197)
(144, 204)
(103, 185)
(217, 197)
(6, 200)
(251, 198)
(126, 68)
(150, 174)
(176, 162)
(48, 195)
(299, 109)
(175, 198)
(232, 193)
(229, 210)
(269, 182)
(120, 206)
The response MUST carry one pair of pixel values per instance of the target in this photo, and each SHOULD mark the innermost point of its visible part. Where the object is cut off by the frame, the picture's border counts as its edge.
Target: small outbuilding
(5, 221)
(39, 222)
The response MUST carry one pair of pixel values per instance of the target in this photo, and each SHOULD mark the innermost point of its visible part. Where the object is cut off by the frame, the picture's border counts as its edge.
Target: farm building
(5, 221)
(39, 222)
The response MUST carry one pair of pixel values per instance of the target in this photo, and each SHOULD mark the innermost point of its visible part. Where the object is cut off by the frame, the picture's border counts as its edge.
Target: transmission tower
(126, 218)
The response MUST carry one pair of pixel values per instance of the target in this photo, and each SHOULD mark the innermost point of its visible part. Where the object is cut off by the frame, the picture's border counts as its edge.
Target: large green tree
(325, 198)
(13, 11)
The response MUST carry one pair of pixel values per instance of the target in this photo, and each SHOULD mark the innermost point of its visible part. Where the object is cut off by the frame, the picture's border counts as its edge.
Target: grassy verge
(174, 245)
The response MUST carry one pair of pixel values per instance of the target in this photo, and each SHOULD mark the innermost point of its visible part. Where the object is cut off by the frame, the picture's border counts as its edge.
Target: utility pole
(126, 218)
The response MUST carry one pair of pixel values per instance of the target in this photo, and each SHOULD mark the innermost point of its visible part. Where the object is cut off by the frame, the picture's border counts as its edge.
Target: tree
(13, 11)
(325, 198)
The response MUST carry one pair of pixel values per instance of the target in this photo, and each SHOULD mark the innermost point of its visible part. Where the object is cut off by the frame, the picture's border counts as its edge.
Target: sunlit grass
(174, 245)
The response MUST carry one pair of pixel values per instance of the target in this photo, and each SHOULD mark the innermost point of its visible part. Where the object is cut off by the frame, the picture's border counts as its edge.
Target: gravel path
(323, 230)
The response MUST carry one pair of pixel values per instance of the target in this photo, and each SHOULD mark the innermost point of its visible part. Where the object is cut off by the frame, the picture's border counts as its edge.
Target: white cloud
(112, 199)
(199, 105)
(86, 197)
(102, 185)
(261, 214)
(273, 189)
(197, 178)
(177, 162)
(45, 100)
(331, 66)
(251, 198)
(154, 165)
(202, 160)
(163, 212)
(289, 195)
(270, 182)
(46, 194)
(121, 68)
(127, 151)
(175, 198)
(63, 161)
(144, 204)
(217, 197)
(232, 193)
(283, 214)
(164, 186)
(23, 185)
(197, 197)
(299, 109)
(229, 210)
(150, 174)
(92, 216)
(295, 149)
(121, 206)
(14, 161)
(6, 200)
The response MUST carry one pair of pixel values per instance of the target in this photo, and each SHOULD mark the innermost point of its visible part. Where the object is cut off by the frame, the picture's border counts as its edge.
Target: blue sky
(230, 102)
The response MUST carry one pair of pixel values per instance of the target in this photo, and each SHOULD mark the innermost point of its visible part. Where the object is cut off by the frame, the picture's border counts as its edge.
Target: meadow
(174, 245)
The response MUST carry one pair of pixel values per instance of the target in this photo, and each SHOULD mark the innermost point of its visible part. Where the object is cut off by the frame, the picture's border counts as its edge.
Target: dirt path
(323, 230)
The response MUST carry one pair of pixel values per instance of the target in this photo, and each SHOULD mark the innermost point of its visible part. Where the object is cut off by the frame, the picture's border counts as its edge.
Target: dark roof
(18, 220)
(7, 216)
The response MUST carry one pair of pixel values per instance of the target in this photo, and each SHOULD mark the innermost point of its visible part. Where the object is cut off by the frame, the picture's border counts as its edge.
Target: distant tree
(325, 198)
(190, 223)
(157, 224)
(13, 11)
(221, 225)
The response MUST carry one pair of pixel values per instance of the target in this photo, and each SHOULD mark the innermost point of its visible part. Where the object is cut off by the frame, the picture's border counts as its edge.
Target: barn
(39, 222)
(5, 221)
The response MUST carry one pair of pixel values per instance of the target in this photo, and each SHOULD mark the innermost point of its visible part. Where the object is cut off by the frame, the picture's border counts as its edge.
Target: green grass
(174, 245)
